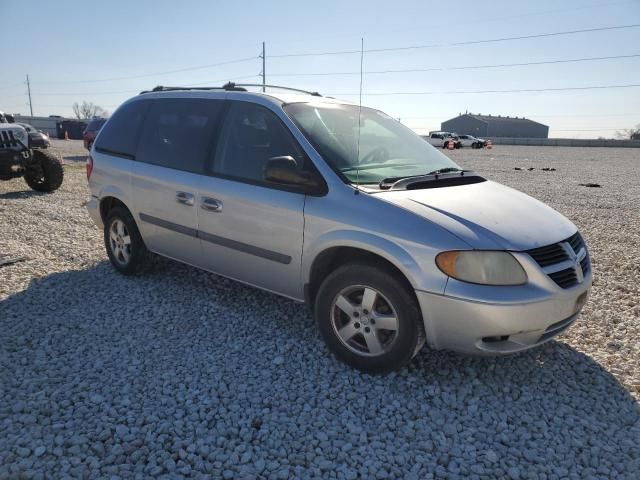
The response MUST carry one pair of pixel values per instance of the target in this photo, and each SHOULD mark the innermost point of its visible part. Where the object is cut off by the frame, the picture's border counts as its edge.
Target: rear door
(250, 230)
(165, 180)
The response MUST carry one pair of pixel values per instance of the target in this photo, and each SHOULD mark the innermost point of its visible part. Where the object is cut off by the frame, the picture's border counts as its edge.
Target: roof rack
(315, 94)
(229, 86)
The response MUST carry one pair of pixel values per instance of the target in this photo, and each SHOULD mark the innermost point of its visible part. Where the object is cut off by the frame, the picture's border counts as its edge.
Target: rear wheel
(124, 244)
(46, 172)
(368, 318)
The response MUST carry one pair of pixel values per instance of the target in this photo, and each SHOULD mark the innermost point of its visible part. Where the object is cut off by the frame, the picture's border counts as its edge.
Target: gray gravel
(184, 374)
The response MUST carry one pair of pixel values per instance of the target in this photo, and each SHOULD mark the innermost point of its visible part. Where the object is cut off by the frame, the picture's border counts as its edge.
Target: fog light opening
(495, 339)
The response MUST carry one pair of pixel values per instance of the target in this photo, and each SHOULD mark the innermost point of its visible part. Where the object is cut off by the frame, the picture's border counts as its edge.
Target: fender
(116, 192)
(433, 281)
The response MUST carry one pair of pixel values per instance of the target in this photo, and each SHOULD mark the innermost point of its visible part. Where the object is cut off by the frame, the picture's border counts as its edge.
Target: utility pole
(264, 81)
(29, 92)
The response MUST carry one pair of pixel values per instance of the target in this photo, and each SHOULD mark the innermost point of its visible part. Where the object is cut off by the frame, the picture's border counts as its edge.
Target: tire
(46, 172)
(445, 146)
(130, 258)
(390, 297)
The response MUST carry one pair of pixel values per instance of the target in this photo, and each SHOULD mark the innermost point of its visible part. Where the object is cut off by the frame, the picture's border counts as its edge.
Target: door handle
(211, 204)
(185, 198)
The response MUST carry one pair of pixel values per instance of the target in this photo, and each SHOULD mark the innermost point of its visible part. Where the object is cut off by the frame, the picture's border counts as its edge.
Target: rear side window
(179, 132)
(119, 135)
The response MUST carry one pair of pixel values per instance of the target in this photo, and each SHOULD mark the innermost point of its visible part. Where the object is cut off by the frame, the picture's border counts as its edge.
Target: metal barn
(495, 126)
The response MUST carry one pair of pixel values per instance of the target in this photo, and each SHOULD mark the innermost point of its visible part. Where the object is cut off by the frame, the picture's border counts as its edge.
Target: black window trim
(210, 172)
(115, 153)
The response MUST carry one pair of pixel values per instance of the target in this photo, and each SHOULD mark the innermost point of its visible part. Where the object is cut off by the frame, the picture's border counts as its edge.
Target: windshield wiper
(445, 170)
(389, 182)
(452, 177)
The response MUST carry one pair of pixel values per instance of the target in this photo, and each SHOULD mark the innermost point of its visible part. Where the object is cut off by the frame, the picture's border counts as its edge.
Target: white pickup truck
(442, 139)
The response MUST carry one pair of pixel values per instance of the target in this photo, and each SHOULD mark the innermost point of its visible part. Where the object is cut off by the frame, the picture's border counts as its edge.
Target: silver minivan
(389, 241)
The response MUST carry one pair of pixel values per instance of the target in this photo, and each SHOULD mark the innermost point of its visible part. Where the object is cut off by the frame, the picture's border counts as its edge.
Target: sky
(107, 52)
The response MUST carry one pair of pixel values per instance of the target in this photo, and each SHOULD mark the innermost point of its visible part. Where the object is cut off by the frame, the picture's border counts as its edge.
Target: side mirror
(284, 171)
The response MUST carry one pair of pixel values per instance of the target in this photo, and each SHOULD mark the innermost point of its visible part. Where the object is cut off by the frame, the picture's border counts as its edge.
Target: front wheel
(368, 318)
(45, 174)
(124, 244)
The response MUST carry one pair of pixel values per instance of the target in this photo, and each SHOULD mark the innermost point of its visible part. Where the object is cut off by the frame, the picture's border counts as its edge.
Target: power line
(453, 44)
(520, 90)
(467, 67)
(585, 129)
(541, 115)
(225, 79)
(166, 72)
(228, 78)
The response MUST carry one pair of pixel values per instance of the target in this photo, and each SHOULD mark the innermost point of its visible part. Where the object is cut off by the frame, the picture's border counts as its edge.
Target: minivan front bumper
(493, 327)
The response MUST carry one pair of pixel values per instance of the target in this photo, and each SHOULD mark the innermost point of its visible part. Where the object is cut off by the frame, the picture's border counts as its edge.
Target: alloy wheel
(364, 320)
(120, 241)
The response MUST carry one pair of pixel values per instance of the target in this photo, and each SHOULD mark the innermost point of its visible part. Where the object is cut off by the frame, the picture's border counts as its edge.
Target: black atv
(41, 169)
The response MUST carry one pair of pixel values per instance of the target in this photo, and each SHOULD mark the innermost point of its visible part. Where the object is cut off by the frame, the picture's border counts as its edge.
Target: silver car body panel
(255, 237)
(487, 215)
(270, 238)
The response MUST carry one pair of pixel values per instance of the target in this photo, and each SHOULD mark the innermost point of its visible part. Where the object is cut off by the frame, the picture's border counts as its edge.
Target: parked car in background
(37, 139)
(6, 118)
(389, 241)
(91, 132)
(442, 139)
(471, 141)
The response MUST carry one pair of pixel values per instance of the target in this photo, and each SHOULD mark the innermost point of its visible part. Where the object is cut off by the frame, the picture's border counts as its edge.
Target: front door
(250, 230)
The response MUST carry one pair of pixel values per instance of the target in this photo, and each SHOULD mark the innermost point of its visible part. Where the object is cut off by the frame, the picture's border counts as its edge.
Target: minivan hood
(486, 215)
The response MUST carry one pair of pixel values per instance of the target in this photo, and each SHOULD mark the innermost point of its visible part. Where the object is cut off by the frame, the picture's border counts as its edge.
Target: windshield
(388, 149)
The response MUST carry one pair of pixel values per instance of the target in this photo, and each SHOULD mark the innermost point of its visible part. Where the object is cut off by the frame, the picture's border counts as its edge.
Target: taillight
(89, 166)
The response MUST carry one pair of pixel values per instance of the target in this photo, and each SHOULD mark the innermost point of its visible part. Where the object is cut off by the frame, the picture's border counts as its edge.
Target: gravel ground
(70, 150)
(184, 374)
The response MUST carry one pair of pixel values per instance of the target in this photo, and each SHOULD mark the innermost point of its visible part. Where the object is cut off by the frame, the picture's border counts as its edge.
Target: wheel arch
(357, 246)
(108, 202)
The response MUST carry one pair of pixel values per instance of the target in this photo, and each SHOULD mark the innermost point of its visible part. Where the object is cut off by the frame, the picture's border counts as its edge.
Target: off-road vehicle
(41, 169)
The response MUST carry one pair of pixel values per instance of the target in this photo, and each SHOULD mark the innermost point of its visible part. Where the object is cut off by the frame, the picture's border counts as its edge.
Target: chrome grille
(585, 264)
(565, 278)
(549, 255)
(561, 261)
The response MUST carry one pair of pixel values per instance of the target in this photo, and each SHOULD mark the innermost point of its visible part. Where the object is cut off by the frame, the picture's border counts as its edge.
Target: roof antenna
(359, 119)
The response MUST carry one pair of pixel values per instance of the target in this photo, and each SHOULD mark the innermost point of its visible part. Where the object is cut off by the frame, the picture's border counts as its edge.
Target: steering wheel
(377, 155)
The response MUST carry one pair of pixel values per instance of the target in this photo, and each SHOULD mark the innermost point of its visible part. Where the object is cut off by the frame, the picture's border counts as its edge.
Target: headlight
(483, 267)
